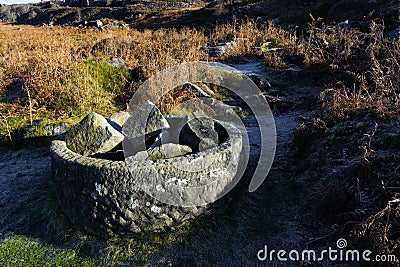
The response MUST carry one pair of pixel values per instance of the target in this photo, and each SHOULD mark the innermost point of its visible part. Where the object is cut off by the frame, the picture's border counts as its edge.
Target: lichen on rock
(92, 135)
(164, 151)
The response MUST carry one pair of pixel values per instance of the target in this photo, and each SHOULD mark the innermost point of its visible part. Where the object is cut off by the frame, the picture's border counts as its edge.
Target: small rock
(118, 62)
(99, 24)
(260, 81)
(54, 130)
(164, 151)
(155, 209)
(196, 89)
(198, 133)
(221, 50)
(92, 135)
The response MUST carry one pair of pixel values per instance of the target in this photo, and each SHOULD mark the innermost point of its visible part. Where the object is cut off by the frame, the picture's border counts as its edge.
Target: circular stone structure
(103, 197)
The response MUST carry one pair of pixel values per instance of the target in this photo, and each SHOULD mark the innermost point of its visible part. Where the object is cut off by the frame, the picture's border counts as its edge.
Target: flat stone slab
(163, 151)
(92, 135)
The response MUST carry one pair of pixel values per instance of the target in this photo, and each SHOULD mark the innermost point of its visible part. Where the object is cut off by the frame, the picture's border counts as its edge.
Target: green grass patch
(23, 251)
(107, 77)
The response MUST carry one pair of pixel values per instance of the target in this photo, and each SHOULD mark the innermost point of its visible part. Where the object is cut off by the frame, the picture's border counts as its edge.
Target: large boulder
(164, 151)
(92, 135)
(143, 125)
(198, 133)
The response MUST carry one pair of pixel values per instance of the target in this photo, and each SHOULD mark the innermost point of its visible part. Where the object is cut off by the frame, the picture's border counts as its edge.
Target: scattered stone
(196, 89)
(221, 50)
(165, 151)
(54, 130)
(92, 135)
(118, 62)
(260, 81)
(207, 89)
(225, 111)
(99, 24)
(143, 125)
(96, 24)
(198, 133)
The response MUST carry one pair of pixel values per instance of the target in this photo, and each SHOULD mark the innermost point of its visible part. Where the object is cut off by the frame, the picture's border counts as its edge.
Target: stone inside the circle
(163, 151)
(198, 133)
(143, 135)
(144, 124)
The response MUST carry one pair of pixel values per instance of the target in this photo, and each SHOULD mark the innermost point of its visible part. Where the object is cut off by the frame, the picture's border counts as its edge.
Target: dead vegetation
(63, 73)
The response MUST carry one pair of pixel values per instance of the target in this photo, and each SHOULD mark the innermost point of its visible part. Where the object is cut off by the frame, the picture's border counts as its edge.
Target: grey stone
(198, 133)
(118, 62)
(196, 89)
(144, 124)
(120, 118)
(92, 135)
(164, 151)
(163, 138)
(54, 130)
(221, 50)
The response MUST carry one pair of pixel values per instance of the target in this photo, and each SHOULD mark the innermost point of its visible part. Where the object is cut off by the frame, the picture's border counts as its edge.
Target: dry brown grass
(368, 76)
(50, 62)
(250, 36)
